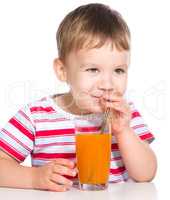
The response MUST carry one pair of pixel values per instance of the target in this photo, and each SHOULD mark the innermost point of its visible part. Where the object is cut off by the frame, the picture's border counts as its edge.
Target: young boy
(94, 50)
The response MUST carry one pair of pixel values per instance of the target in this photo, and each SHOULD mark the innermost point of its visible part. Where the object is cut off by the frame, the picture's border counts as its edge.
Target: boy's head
(93, 48)
(90, 26)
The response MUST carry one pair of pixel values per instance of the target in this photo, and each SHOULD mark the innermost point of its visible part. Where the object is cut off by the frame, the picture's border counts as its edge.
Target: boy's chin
(95, 109)
(86, 109)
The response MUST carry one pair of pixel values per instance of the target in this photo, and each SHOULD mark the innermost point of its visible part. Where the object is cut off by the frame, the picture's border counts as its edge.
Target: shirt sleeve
(139, 126)
(17, 137)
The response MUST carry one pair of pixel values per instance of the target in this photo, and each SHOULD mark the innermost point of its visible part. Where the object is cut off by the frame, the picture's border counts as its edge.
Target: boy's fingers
(122, 106)
(59, 169)
(65, 162)
(108, 102)
(56, 187)
(61, 180)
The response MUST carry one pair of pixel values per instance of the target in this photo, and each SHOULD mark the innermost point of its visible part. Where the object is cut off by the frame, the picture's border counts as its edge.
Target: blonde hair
(90, 26)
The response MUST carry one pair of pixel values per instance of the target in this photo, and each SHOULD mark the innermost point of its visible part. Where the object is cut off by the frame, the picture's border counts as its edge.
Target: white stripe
(117, 177)
(54, 125)
(14, 144)
(45, 115)
(19, 135)
(39, 162)
(114, 140)
(56, 149)
(115, 154)
(86, 123)
(39, 103)
(136, 121)
(49, 140)
(28, 125)
(50, 115)
(140, 131)
(132, 106)
(116, 163)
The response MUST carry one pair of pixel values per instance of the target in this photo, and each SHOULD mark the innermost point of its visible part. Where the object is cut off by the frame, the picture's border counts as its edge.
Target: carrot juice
(93, 157)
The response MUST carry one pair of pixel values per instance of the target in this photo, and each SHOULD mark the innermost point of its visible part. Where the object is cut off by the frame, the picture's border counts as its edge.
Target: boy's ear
(60, 69)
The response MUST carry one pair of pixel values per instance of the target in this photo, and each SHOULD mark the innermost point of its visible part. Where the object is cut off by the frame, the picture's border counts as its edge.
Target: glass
(93, 150)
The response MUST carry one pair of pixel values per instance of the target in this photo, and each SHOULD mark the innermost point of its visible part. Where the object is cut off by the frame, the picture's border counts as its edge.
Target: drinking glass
(93, 150)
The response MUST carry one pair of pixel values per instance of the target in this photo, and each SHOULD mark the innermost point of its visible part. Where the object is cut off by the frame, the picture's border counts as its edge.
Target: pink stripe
(11, 151)
(118, 170)
(20, 127)
(114, 147)
(56, 132)
(146, 135)
(53, 155)
(139, 126)
(116, 158)
(88, 129)
(135, 114)
(41, 109)
(26, 117)
(120, 174)
(18, 141)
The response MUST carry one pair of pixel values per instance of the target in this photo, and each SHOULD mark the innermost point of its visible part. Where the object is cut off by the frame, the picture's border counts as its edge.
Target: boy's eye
(120, 71)
(93, 70)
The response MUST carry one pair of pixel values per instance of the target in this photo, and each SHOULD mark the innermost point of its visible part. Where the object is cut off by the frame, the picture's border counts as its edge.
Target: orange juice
(93, 157)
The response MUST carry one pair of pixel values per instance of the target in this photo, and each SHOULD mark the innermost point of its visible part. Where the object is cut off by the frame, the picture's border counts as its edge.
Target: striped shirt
(46, 132)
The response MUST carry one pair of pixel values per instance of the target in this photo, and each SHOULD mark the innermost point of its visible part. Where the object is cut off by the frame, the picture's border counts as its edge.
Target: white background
(28, 47)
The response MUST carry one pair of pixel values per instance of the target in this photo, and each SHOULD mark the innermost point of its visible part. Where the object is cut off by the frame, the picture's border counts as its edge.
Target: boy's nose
(106, 84)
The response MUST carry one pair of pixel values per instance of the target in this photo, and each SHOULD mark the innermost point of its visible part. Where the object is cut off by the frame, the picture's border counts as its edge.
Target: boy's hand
(50, 176)
(120, 114)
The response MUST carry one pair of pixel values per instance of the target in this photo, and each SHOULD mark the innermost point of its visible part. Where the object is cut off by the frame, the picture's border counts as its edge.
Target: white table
(119, 191)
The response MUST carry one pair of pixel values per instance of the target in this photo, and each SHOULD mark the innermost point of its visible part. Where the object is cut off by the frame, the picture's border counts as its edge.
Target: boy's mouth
(98, 99)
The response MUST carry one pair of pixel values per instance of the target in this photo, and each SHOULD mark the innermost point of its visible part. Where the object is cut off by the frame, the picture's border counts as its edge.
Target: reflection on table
(120, 191)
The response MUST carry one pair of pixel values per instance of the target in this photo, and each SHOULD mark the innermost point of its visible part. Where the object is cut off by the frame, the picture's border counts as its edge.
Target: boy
(94, 50)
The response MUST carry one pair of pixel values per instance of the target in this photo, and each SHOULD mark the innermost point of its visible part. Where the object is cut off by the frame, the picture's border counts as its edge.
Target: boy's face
(91, 73)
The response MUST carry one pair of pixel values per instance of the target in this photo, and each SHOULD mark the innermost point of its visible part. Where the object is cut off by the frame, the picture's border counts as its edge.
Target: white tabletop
(119, 191)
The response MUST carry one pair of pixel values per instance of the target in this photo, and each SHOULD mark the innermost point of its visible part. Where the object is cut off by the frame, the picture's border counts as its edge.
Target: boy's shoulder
(42, 105)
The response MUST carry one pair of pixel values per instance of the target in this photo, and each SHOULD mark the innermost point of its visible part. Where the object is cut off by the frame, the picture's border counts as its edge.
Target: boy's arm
(12, 174)
(138, 157)
(48, 177)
